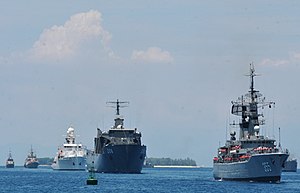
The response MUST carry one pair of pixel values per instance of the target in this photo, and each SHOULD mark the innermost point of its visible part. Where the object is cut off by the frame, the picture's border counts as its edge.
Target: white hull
(69, 163)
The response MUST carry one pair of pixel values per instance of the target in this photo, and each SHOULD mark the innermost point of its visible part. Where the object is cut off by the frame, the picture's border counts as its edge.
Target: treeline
(149, 162)
(170, 162)
(45, 160)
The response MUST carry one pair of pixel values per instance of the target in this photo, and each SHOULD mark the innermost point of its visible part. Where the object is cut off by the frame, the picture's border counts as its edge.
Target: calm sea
(21, 180)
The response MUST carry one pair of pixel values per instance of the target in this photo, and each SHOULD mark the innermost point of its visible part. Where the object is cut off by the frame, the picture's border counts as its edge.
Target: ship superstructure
(253, 156)
(118, 150)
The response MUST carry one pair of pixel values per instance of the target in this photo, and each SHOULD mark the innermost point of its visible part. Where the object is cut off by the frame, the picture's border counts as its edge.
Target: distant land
(45, 160)
(149, 162)
(168, 162)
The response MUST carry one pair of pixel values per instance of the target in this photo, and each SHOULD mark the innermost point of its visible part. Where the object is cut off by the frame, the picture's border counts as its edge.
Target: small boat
(31, 161)
(10, 161)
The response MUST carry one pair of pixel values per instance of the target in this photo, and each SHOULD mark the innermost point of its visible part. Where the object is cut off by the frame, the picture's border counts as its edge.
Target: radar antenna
(117, 105)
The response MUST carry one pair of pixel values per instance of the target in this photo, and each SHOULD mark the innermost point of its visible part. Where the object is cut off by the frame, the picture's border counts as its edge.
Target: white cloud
(292, 59)
(152, 54)
(59, 42)
(270, 62)
(296, 56)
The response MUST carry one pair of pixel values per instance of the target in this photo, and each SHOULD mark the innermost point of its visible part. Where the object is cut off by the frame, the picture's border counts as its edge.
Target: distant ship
(31, 160)
(10, 161)
(290, 165)
(71, 155)
(252, 157)
(118, 150)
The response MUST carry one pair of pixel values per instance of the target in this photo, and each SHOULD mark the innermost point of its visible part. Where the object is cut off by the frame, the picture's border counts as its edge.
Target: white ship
(71, 155)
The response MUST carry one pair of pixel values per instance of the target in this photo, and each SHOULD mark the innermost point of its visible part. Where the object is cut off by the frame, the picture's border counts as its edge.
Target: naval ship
(290, 165)
(252, 157)
(71, 155)
(118, 150)
(31, 160)
(10, 161)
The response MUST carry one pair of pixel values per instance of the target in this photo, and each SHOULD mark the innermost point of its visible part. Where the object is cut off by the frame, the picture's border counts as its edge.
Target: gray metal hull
(260, 167)
(120, 159)
(290, 166)
(10, 165)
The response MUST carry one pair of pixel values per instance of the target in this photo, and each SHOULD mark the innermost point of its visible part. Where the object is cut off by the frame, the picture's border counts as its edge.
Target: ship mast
(9, 154)
(252, 74)
(117, 104)
(247, 107)
(253, 115)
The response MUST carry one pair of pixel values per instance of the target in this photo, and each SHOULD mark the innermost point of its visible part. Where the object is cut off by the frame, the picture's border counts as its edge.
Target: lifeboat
(228, 158)
(244, 157)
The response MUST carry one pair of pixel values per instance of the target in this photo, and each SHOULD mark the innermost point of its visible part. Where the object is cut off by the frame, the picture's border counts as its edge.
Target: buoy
(92, 180)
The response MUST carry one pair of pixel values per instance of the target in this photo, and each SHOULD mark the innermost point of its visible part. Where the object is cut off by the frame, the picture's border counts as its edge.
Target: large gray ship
(290, 165)
(118, 150)
(252, 157)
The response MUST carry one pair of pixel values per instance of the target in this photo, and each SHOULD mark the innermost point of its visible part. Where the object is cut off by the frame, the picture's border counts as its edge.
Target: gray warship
(290, 165)
(252, 157)
(31, 161)
(118, 150)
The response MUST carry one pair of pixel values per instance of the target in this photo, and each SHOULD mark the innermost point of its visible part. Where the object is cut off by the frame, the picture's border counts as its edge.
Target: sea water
(183, 180)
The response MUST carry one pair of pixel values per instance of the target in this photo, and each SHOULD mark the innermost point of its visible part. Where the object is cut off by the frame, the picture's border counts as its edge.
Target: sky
(178, 63)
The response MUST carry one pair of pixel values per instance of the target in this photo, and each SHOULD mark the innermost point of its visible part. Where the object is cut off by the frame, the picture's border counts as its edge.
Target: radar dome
(71, 129)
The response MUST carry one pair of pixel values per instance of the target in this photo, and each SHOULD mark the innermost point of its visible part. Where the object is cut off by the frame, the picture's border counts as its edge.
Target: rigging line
(266, 116)
(125, 136)
(226, 131)
(273, 120)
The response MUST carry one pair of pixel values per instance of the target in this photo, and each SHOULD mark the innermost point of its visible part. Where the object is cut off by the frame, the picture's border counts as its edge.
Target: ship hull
(70, 163)
(10, 165)
(290, 166)
(31, 165)
(260, 167)
(120, 159)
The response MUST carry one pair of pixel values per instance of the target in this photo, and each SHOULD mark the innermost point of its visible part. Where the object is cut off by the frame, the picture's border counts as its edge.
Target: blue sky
(179, 63)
